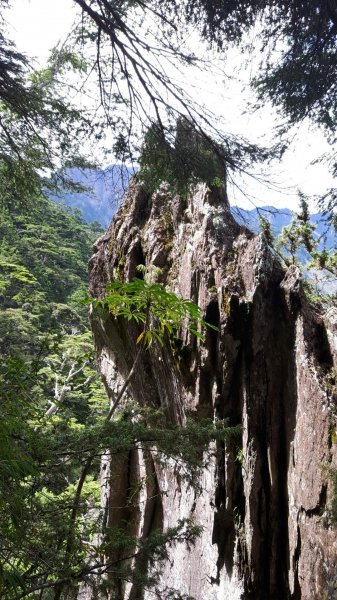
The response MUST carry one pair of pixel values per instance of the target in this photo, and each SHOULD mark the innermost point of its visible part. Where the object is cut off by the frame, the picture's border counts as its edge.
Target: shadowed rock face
(263, 500)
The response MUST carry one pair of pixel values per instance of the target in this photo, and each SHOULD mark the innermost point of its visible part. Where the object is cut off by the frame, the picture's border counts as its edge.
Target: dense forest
(50, 388)
(157, 415)
(54, 405)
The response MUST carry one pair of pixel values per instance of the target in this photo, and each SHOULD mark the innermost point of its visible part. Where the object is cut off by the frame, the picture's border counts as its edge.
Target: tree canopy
(56, 423)
(298, 40)
(130, 49)
(300, 66)
(124, 51)
(297, 71)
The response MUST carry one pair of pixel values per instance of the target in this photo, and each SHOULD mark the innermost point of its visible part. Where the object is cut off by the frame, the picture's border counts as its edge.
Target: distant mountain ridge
(105, 189)
(108, 187)
(281, 217)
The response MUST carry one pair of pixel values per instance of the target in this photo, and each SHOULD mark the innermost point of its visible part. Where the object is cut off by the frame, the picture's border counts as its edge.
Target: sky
(38, 25)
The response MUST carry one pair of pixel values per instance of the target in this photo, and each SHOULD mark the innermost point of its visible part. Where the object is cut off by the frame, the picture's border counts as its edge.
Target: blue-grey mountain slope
(106, 187)
(103, 193)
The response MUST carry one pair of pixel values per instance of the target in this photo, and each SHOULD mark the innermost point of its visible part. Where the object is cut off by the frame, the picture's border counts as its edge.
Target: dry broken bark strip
(265, 535)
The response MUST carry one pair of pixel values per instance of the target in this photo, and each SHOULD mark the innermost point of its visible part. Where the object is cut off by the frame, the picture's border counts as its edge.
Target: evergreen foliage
(299, 244)
(189, 158)
(55, 422)
(265, 228)
(299, 234)
(43, 275)
(47, 362)
(40, 129)
(301, 80)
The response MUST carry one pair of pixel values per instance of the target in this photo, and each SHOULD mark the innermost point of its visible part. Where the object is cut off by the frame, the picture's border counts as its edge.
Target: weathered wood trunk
(264, 503)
